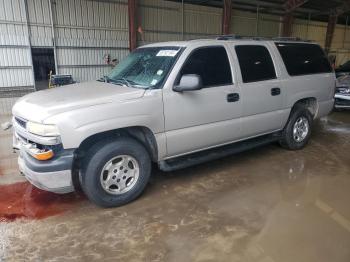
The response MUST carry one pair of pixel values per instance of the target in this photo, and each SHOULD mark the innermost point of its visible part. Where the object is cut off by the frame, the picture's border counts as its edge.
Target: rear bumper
(50, 175)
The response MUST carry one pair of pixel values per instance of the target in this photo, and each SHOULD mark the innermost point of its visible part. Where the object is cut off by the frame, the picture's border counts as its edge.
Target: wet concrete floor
(265, 205)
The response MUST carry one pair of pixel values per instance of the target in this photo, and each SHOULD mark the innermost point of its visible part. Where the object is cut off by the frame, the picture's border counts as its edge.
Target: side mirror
(189, 82)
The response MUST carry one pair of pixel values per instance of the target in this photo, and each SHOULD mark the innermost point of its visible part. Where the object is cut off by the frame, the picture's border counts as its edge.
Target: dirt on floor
(265, 205)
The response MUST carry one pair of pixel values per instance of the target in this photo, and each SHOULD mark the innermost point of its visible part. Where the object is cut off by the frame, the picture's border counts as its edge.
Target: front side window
(211, 64)
(304, 59)
(145, 67)
(255, 62)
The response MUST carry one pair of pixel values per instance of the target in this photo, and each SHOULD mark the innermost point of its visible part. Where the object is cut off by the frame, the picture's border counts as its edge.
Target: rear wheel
(115, 172)
(296, 133)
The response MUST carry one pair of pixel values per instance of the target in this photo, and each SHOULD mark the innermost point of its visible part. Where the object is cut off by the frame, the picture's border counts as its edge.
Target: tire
(103, 165)
(289, 138)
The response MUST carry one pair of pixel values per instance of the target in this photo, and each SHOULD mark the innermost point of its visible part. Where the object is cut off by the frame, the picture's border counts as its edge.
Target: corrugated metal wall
(15, 57)
(40, 23)
(316, 31)
(254, 24)
(85, 32)
(251, 24)
(202, 21)
(164, 21)
(311, 30)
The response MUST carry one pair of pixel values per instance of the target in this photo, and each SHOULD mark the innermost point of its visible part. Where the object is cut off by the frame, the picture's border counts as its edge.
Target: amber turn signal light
(43, 155)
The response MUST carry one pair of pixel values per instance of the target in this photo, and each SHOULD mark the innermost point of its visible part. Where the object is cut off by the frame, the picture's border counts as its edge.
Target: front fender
(75, 126)
(85, 131)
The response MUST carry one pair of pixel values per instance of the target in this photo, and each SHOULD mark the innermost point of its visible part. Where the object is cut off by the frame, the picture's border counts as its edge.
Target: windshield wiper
(105, 79)
(128, 82)
(123, 81)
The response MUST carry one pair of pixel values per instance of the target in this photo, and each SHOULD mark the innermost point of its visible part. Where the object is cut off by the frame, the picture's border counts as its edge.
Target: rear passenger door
(261, 91)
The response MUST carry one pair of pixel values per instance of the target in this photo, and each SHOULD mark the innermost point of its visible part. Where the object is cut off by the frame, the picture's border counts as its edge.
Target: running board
(216, 153)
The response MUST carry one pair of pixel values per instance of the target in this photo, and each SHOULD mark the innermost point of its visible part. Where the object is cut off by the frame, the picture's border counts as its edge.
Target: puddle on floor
(23, 200)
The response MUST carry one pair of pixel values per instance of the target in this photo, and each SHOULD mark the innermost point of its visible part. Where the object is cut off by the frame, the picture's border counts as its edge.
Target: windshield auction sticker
(167, 52)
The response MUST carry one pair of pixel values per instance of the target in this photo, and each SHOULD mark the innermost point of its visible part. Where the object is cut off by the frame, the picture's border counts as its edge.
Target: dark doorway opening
(43, 63)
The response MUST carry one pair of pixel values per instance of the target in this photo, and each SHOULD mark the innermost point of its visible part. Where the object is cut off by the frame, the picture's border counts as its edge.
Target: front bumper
(52, 175)
(59, 182)
(342, 101)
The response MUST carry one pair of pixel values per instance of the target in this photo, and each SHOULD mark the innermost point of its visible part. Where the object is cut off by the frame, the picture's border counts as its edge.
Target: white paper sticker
(159, 72)
(167, 52)
(154, 81)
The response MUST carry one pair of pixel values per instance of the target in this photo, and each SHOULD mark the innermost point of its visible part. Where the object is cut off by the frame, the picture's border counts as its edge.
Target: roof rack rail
(235, 37)
(289, 39)
(228, 37)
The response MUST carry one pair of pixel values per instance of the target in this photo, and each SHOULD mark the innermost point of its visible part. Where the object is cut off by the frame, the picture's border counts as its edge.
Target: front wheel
(297, 132)
(115, 172)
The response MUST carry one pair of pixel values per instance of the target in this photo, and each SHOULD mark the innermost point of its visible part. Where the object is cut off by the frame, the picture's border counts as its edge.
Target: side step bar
(216, 153)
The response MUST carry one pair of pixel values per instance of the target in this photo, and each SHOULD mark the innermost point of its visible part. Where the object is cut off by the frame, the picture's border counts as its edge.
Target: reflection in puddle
(336, 126)
(22, 200)
(293, 182)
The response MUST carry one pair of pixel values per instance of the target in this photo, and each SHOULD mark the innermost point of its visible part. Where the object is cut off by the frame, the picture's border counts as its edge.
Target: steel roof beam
(291, 5)
(345, 7)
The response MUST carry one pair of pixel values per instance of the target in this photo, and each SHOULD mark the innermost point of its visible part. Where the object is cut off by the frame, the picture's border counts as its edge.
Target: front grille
(21, 122)
(25, 140)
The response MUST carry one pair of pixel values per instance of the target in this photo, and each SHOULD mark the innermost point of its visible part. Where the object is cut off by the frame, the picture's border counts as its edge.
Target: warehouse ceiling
(317, 9)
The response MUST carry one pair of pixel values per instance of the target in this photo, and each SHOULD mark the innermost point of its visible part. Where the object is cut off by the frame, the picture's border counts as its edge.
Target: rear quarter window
(303, 59)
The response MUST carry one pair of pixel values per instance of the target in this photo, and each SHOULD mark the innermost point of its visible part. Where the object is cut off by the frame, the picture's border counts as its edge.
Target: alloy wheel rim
(300, 129)
(120, 174)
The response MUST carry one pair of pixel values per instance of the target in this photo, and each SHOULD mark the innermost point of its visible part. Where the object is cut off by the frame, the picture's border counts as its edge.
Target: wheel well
(310, 103)
(142, 134)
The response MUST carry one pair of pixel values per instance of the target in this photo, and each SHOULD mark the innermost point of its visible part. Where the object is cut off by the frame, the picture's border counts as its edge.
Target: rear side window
(303, 59)
(211, 64)
(255, 62)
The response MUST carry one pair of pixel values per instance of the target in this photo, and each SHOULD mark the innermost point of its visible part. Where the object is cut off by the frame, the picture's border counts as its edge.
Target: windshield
(145, 67)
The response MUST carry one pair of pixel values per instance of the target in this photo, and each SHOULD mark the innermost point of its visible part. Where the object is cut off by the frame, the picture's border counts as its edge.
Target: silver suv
(172, 104)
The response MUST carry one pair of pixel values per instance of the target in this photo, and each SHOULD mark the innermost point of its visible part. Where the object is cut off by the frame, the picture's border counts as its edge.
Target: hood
(40, 105)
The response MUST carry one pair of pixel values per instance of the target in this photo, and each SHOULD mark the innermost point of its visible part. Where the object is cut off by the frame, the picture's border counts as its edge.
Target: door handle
(275, 91)
(233, 97)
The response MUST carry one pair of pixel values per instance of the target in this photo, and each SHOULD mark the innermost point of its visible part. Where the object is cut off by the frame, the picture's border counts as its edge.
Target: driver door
(205, 118)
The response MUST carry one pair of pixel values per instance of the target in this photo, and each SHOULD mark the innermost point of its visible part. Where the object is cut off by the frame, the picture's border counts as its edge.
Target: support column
(29, 41)
(287, 23)
(132, 13)
(53, 36)
(182, 20)
(226, 17)
(332, 21)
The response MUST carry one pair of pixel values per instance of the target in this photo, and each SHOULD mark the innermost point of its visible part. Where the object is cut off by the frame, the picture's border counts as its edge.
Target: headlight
(41, 129)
